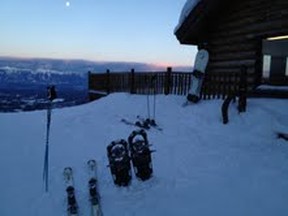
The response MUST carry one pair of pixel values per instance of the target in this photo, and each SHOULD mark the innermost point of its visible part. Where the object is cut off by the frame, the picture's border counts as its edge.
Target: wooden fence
(215, 85)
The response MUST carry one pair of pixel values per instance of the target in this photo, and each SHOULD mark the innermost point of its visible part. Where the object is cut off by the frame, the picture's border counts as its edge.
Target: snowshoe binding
(119, 162)
(140, 154)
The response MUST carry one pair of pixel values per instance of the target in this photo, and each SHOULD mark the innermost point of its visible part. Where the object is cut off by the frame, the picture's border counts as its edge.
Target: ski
(141, 124)
(72, 207)
(149, 122)
(137, 124)
(93, 189)
(188, 103)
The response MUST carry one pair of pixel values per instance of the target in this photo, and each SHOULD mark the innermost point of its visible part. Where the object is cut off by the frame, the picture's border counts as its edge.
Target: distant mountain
(77, 66)
(23, 82)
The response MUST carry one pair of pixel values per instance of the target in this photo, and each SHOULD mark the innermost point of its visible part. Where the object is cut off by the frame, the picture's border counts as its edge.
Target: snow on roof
(188, 7)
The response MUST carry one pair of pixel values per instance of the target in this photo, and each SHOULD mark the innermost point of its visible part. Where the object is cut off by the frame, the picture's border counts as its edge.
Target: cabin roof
(195, 18)
(187, 8)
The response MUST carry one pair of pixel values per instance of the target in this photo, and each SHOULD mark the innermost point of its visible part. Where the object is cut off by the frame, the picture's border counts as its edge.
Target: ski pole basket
(140, 154)
(119, 162)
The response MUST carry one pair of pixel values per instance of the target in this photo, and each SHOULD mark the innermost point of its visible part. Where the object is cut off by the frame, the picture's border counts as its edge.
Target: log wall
(235, 37)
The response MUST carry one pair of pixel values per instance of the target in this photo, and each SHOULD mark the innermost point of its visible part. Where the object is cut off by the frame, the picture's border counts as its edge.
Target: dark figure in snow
(201, 61)
(51, 92)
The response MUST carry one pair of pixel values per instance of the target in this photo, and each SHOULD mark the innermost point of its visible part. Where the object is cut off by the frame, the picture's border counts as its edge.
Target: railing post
(168, 81)
(243, 89)
(108, 81)
(132, 82)
(89, 85)
(89, 80)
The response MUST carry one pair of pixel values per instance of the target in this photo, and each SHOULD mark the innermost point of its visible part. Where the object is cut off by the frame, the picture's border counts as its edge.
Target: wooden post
(108, 81)
(89, 80)
(188, 82)
(132, 82)
(243, 90)
(168, 81)
(207, 87)
(89, 85)
(229, 89)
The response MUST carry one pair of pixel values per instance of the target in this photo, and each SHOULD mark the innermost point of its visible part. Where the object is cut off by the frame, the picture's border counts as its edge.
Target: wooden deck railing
(215, 85)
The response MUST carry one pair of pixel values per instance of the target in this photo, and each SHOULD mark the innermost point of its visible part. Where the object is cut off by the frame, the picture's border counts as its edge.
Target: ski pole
(51, 96)
(148, 106)
(154, 99)
(147, 98)
(154, 107)
(46, 157)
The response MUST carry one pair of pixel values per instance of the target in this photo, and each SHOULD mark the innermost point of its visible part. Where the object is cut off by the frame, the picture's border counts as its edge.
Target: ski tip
(67, 173)
(186, 103)
(91, 163)
(67, 169)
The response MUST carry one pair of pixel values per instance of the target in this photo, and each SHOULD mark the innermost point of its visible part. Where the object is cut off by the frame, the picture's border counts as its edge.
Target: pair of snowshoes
(140, 154)
(119, 162)
(137, 150)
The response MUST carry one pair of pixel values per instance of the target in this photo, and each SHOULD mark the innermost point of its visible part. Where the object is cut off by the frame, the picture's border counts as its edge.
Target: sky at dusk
(98, 30)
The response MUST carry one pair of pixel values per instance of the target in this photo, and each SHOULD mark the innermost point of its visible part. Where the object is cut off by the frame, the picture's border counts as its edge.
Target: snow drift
(201, 167)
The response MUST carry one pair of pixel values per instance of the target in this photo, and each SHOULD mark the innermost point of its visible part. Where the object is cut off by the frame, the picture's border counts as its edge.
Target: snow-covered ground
(201, 167)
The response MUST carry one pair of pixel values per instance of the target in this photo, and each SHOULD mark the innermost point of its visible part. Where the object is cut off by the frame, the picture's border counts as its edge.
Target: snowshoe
(140, 154)
(119, 162)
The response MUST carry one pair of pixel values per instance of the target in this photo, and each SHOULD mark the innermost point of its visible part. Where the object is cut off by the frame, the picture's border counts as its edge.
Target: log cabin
(253, 33)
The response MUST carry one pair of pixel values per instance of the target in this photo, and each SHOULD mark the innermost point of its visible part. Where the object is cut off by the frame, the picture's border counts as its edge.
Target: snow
(271, 87)
(201, 167)
(187, 8)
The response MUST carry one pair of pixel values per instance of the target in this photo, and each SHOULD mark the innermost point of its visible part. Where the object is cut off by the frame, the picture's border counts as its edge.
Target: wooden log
(261, 11)
(268, 33)
(252, 28)
(254, 8)
(215, 49)
(234, 24)
(250, 70)
(233, 56)
(230, 41)
(232, 64)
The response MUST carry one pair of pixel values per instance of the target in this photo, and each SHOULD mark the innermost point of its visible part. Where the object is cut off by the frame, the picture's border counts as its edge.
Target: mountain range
(23, 82)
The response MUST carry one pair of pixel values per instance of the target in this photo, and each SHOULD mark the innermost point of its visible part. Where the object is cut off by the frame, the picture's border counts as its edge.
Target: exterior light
(278, 37)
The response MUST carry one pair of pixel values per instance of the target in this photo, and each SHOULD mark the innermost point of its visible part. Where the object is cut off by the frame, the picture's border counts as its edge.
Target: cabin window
(275, 59)
(266, 66)
(286, 73)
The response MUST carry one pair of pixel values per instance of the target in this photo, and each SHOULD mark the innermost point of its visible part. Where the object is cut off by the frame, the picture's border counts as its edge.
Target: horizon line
(95, 61)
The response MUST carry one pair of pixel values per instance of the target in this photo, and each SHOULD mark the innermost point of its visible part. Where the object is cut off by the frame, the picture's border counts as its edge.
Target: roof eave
(195, 27)
(188, 32)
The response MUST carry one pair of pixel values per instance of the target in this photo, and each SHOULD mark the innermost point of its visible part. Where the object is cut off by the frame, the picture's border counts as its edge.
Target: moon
(67, 3)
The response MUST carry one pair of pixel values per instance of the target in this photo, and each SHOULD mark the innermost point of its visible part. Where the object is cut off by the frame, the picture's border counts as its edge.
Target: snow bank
(201, 167)
(271, 87)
